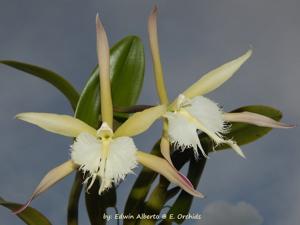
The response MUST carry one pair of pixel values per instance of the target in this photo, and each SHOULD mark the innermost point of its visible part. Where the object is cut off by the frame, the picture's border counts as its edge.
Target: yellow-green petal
(59, 124)
(216, 77)
(140, 122)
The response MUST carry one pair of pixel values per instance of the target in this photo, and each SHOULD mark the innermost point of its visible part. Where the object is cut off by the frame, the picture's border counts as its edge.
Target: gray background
(195, 36)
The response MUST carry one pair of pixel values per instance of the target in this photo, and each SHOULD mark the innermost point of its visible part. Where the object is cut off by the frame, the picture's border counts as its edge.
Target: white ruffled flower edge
(121, 160)
(198, 113)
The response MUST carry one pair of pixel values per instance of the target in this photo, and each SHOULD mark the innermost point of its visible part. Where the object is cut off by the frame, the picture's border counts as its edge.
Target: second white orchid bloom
(191, 113)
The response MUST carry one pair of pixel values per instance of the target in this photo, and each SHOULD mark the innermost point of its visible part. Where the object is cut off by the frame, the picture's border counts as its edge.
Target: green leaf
(56, 80)
(30, 215)
(156, 202)
(88, 108)
(244, 133)
(72, 216)
(127, 66)
(127, 72)
(97, 205)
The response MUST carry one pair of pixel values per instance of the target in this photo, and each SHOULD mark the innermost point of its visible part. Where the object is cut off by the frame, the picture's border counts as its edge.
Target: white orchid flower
(104, 154)
(191, 112)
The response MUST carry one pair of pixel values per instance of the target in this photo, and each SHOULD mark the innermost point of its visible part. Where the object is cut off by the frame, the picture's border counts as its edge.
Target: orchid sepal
(50, 179)
(59, 124)
(215, 78)
(255, 119)
(157, 67)
(104, 73)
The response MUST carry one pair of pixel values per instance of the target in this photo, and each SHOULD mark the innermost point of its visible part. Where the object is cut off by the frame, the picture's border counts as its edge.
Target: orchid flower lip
(193, 115)
(104, 159)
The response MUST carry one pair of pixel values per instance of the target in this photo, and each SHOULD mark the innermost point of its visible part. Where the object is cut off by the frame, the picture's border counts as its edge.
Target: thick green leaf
(30, 215)
(97, 205)
(56, 80)
(127, 72)
(127, 66)
(156, 202)
(72, 217)
(88, 108)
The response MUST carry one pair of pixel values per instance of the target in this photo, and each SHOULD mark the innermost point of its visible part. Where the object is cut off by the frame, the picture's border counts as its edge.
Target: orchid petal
(51, 178)
(164, 168)
(59, 124)
(255, 119)
(140, 121)
(216, 77)
(103, 61)
(157, 67)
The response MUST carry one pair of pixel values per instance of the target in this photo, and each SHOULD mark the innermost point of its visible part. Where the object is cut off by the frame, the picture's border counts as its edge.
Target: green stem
(72, 217)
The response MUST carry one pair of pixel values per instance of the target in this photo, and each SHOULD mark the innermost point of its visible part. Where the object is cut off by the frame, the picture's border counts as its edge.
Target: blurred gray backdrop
(195, 36)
